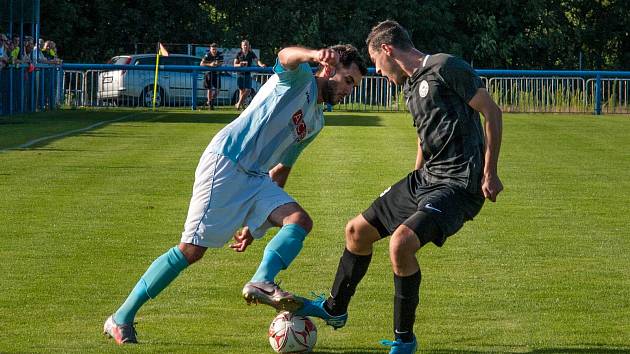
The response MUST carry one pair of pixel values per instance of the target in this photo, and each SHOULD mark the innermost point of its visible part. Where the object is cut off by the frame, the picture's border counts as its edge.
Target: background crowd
(15, 51)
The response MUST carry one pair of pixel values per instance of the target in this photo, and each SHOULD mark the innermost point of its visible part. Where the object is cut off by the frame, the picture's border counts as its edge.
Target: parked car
(135, 87)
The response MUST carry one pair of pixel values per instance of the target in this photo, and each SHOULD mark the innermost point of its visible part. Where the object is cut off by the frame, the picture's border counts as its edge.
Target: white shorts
(225, 198)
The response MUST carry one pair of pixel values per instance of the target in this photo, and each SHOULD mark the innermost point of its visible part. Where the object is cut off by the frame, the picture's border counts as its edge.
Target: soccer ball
(289, 333)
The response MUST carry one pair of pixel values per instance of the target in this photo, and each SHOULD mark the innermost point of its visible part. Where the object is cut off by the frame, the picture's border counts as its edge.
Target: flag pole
(155, 80)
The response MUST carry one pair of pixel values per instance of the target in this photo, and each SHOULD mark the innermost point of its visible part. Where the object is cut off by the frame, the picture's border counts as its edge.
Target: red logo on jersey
(300, 126)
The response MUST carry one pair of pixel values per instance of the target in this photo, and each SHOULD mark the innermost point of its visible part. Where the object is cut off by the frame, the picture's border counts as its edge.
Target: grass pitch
(544, 270)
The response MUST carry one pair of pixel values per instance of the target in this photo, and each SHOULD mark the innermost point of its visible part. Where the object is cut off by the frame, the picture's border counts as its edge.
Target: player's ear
(387, 49)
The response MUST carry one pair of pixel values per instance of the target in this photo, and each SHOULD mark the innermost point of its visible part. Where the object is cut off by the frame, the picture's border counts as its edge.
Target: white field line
(66, 133)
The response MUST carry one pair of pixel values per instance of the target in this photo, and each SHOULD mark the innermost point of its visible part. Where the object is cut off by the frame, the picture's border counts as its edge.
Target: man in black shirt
(455, 170)
(245, 58)
(212, 81)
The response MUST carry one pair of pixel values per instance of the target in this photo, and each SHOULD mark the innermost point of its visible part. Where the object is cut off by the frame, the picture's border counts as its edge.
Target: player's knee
(354, 234)
(191, 252)
(403, 245)
(300, 218)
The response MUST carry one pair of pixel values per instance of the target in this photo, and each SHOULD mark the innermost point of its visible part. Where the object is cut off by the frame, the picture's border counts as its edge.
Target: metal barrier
(26, 89)
(106, 85)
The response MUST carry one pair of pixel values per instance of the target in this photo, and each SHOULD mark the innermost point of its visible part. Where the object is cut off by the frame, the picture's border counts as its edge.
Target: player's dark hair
(389, 32)
(348, 54)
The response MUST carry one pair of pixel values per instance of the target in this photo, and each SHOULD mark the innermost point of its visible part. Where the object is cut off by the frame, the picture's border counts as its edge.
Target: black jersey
(210, 58)
(450, 131)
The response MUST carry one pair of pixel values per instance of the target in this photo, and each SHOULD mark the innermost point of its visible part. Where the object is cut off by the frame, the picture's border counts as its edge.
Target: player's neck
(411, 61)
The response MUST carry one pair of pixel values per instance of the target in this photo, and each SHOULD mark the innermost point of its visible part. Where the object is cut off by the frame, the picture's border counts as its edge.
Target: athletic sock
(159, 274)
(280, 252)
(350, 271)
(406, 299)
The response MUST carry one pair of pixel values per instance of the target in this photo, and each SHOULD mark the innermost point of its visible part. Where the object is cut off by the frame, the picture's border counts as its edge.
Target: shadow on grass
(352, 120)
(35, 127)
(228, 116)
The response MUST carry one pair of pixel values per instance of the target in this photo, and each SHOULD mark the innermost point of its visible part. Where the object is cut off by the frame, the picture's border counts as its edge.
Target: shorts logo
(300, 125)
(424, 88)
(385, 191)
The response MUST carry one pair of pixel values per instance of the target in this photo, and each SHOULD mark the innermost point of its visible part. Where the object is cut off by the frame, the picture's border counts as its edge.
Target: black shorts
(211, 80)
(244, 81)
(421, 207)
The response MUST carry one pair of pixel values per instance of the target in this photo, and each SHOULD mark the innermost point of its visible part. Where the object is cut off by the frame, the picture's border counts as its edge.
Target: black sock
(406, 301)
(350, 271)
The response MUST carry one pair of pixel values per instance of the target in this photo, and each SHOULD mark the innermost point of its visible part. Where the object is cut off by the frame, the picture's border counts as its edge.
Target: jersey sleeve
(300, 75)
(294, 152)
(461, 78)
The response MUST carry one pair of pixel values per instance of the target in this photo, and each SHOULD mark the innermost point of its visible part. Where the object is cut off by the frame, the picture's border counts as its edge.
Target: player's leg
(408, 238)
(388, 211)
(156, 278)
(295, 224)
(353, 264)
(213, 180)
(441, 212)
(279, 253)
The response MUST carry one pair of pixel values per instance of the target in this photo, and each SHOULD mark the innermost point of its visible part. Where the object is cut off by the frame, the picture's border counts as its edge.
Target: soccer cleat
(400, 347)
(122, 334)
(269, 293)
(315, 308)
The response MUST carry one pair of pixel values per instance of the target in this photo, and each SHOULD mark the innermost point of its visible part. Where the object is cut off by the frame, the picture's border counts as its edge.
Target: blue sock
(280, 252)
(161, 273)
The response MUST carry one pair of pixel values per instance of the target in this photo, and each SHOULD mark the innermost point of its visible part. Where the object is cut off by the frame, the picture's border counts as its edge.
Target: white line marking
(60, 135)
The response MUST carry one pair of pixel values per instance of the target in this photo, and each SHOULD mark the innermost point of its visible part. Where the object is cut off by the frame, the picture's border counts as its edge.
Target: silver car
(135, 87)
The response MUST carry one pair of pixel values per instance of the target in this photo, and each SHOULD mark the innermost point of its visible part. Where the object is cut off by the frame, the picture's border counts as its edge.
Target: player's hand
(329, 59)
(242, 238)
(491, 186)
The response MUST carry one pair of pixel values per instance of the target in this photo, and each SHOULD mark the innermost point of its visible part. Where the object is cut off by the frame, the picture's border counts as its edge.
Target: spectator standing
(4, 57)
(212, 81)
(14, 50)
(245, 58)
(27, 55)
(48, 54)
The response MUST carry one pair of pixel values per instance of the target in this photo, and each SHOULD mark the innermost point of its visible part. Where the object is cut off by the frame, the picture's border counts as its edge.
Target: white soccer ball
(289, 333)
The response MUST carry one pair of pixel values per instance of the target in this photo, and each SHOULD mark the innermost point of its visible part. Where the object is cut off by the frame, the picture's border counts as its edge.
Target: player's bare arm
(279, 174)
(419, 158)
(291, 57)
(493, 128)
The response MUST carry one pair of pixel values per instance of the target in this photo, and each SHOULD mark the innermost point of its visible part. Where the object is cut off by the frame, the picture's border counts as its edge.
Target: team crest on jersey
(299, 125)
(424, 88)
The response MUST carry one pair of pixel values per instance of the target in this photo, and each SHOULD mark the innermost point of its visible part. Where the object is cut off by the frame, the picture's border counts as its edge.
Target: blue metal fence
(25, 89)
(106, 85)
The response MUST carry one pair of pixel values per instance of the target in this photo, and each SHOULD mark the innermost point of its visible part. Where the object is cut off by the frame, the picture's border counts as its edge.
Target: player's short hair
(348, 54)
(213, 45)
(389, 32)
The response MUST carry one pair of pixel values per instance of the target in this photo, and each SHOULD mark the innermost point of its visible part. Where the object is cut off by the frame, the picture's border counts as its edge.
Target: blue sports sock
(280, 252)
(161, 273)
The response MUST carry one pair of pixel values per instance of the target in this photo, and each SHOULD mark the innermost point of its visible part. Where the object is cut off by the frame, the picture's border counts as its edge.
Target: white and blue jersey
(232, 183)
(282, 119)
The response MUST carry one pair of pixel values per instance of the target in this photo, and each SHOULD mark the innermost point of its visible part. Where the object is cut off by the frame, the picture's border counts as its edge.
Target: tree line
(511, 34)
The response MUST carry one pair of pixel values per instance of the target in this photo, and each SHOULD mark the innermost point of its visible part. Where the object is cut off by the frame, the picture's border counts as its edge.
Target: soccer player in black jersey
(455, 170)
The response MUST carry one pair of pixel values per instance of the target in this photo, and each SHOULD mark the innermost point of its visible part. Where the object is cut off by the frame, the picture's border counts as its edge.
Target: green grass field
(544, 270)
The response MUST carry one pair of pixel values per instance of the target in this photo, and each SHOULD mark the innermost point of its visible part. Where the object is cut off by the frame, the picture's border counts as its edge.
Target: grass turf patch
(544, 270)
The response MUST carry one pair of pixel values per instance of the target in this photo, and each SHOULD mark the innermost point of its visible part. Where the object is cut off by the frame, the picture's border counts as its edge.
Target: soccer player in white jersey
(240, 178)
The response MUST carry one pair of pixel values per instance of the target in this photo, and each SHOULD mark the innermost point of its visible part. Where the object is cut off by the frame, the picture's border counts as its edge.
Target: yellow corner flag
(161, 52)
